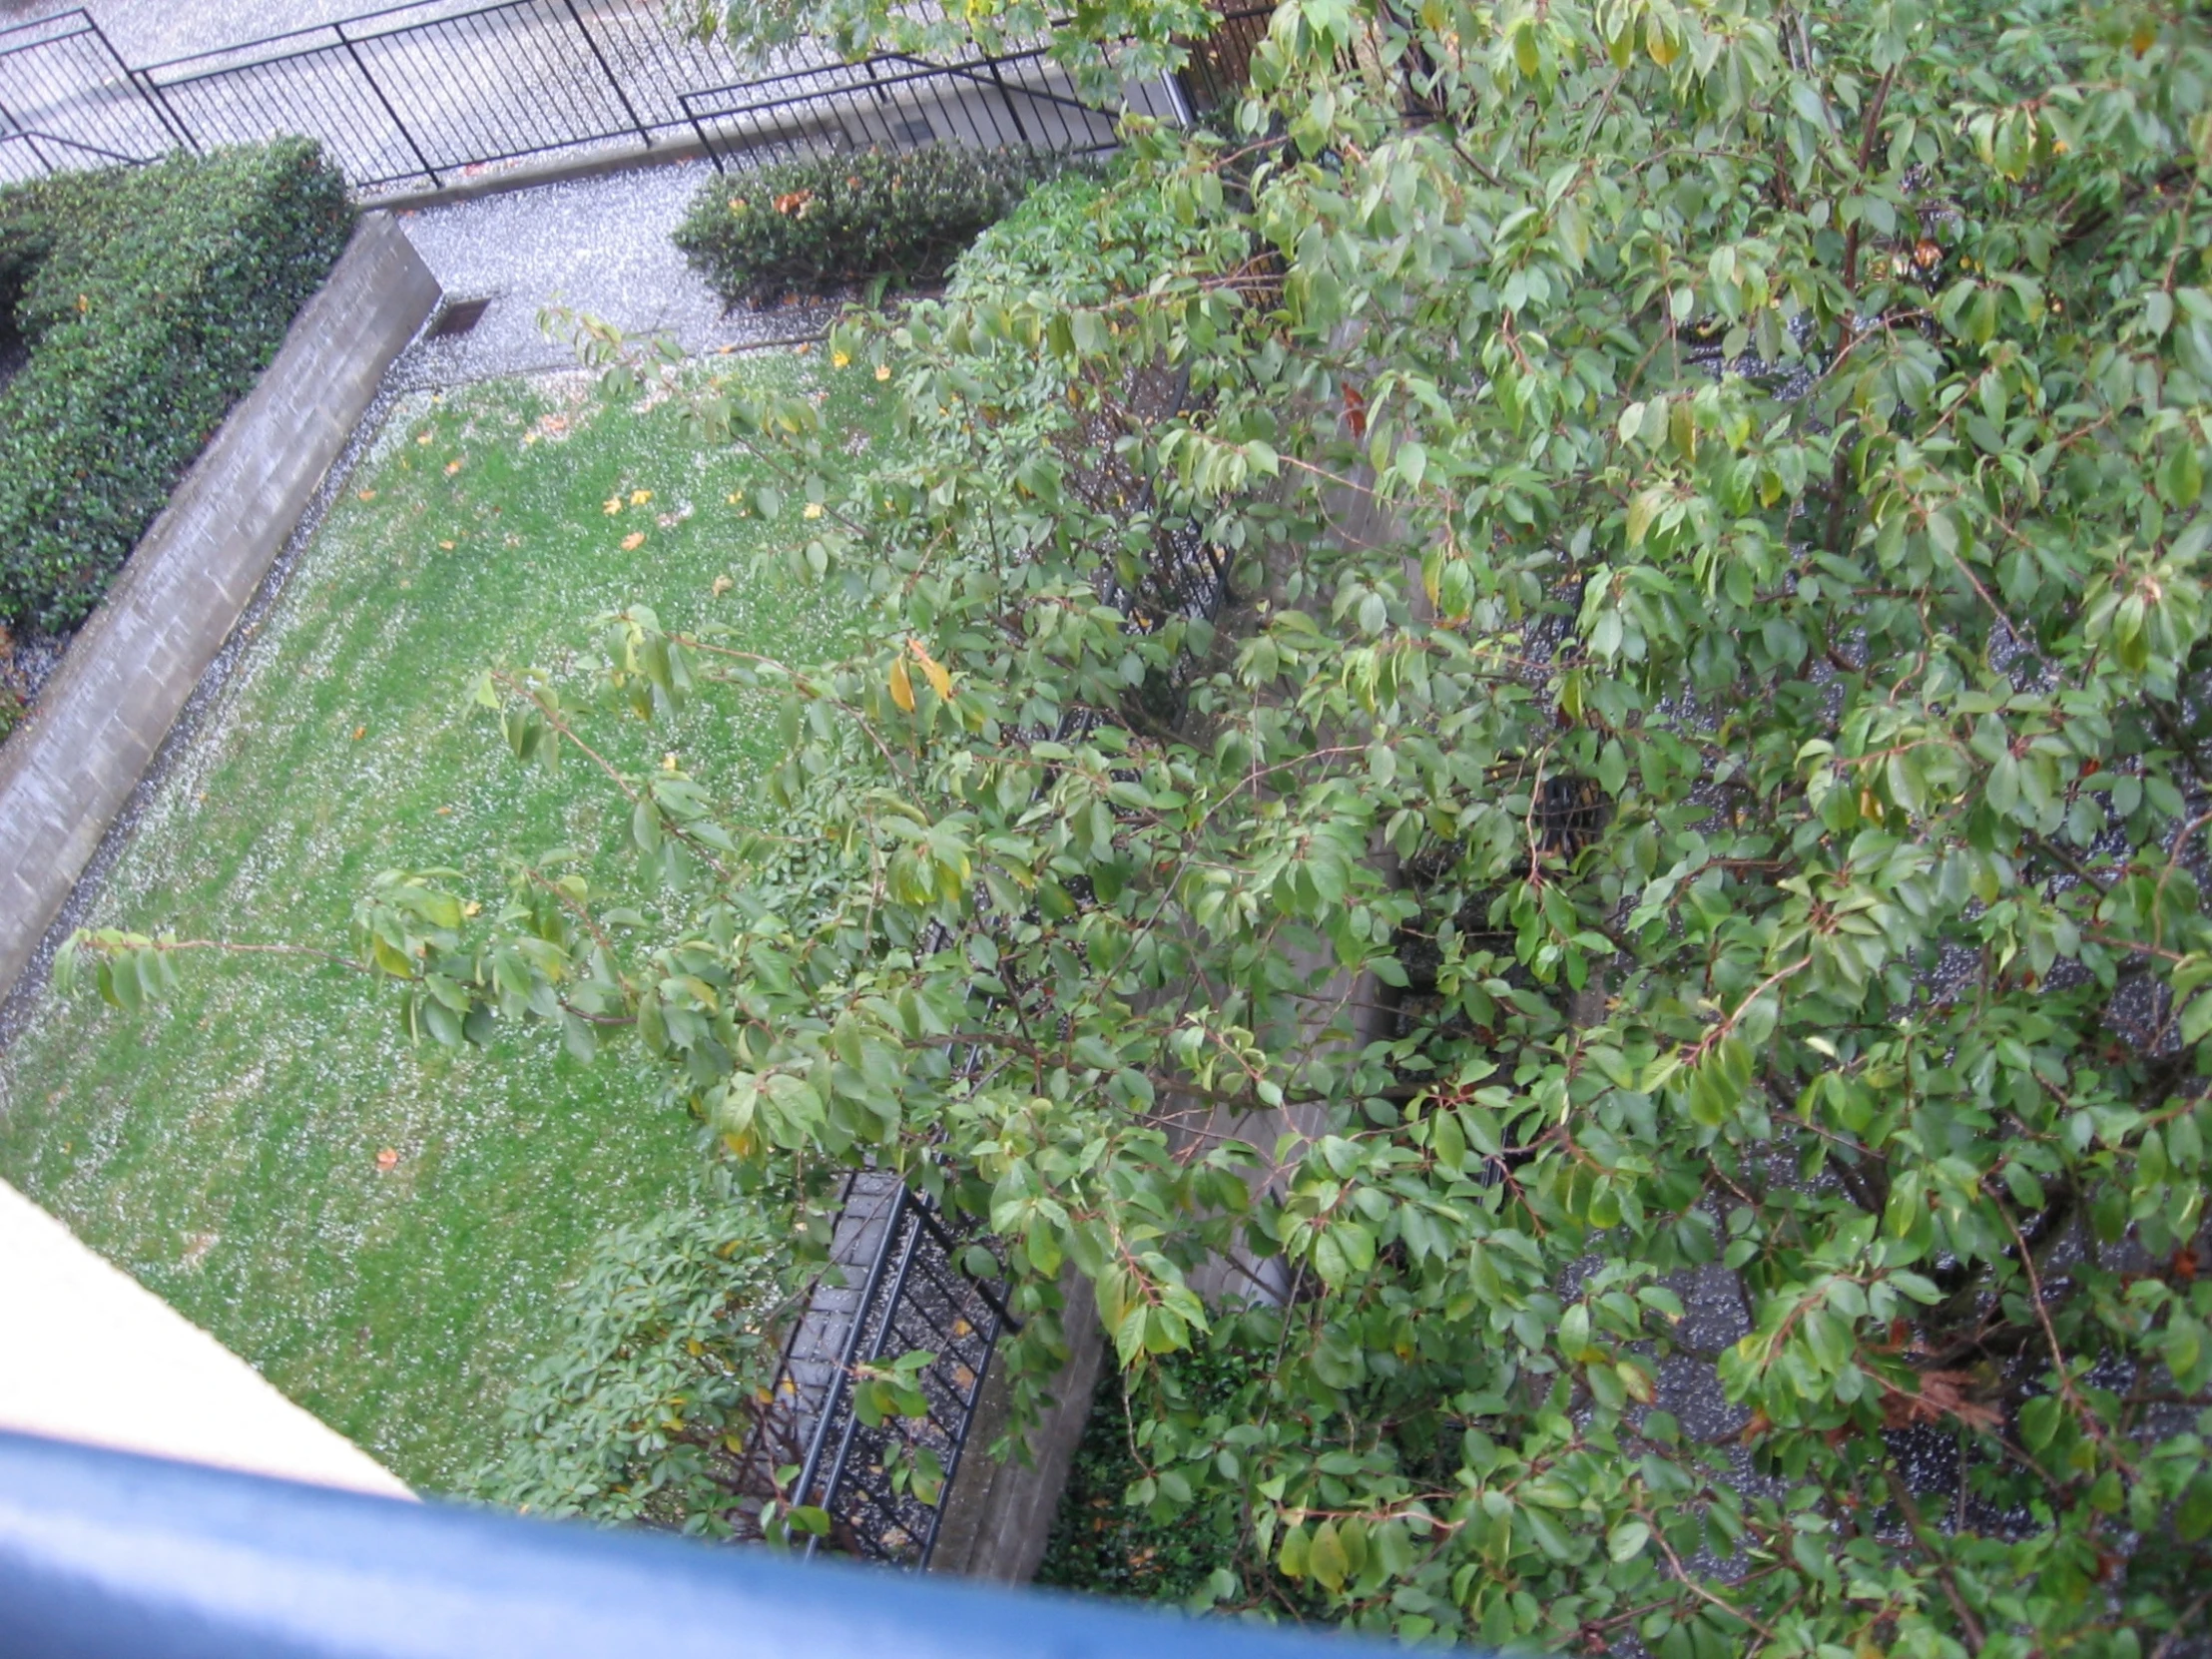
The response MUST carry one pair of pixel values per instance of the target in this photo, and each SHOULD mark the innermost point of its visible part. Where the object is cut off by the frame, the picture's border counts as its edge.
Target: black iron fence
(423, 93)
(884, 1483)
(897, 103)
(68, 100)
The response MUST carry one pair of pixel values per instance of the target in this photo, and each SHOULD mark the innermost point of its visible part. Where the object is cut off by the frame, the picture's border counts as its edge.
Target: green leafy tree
(1650, 963)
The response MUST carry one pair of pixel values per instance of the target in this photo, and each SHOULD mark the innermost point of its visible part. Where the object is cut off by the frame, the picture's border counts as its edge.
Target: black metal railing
(1020, 100)
(426, 92)
(68, 100)
(884, 1500)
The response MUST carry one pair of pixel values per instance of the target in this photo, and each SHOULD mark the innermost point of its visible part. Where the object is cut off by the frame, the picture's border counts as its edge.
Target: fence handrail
(108, 1555)
(927, 72)
(35, 136)
(74, 21)
(464, 9)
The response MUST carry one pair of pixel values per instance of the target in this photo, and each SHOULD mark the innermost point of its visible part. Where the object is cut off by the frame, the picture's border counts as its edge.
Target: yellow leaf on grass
(611, 506)
(903, 688)
(452, 467)
(639, 498)
(422, 437)
(366, 495)
(633, 541)
(883, 371)
(813, 510)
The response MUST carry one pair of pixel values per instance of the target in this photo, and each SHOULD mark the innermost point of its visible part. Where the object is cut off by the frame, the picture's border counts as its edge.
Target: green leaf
(1325, 1558)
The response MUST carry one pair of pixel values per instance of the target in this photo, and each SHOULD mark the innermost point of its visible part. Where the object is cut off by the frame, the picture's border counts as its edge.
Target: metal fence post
(1020, 130)
(24, 133)
(645, 135)
(151, 90)
(361, 64)
(700, 127)
(131, 75)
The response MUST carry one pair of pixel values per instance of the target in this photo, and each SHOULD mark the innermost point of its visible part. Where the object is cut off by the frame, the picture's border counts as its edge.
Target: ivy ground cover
(380, 1228)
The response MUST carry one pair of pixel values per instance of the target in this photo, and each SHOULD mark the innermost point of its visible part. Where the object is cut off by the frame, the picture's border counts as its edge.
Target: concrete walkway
(597, 245)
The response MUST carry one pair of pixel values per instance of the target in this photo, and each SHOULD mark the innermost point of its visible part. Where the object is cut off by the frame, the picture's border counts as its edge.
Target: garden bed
(382, 1230)
(142, 302)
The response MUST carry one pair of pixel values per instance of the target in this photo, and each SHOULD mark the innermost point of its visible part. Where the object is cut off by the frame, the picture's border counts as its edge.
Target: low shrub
(818, 225)
(1087, 239)
(1113, 1534)
(149, 299)
(669, 1338)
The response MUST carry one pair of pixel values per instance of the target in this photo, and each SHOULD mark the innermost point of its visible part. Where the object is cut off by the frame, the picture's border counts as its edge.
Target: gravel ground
(600, 246)
(150, 31)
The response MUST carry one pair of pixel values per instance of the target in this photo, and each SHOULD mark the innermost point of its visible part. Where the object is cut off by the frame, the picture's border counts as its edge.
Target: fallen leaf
(639, 498)
(359, 732)
(449, 546)
(611, 506)
(422, 437)
(813, 510)
(366, 495)
(723, 585)
(883, 371)
(452, 467)
(471, 909)
(633, 541)
(389, 1158)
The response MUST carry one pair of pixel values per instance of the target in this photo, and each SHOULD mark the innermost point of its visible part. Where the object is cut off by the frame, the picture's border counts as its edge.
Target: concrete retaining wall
(998, 1516)
(69, 769)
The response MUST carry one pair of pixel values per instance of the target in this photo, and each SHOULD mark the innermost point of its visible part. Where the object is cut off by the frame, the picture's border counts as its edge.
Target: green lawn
(225, 1146)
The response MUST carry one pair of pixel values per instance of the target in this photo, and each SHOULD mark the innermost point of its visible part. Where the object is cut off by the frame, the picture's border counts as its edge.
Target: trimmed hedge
(818, 225)
(149, 299)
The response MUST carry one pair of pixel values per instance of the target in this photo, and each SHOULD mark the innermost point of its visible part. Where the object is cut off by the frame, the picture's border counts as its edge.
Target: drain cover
(459, 318)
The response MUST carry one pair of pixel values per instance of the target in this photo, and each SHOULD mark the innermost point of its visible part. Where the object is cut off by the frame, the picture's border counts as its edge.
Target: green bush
(1089, 239)
(670, 1337)
(1113, 1534)
(149, 299)
(817, 226)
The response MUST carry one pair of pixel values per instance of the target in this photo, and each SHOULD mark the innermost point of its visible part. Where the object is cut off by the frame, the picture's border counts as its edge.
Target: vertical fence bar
(159, 100)
(131, 75)
(355, 53)
(645, 136)
(705, 143)
(1019, 129)
(24, 133)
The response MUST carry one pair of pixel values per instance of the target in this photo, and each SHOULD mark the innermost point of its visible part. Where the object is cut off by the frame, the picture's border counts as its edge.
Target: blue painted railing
(110, 1557)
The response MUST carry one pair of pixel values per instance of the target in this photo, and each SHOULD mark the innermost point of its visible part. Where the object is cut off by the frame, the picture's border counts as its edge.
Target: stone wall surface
(998, 1515)
(99, 721)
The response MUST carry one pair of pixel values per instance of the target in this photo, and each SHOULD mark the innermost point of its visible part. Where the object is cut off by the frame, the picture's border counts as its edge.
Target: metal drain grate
(459, 318)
